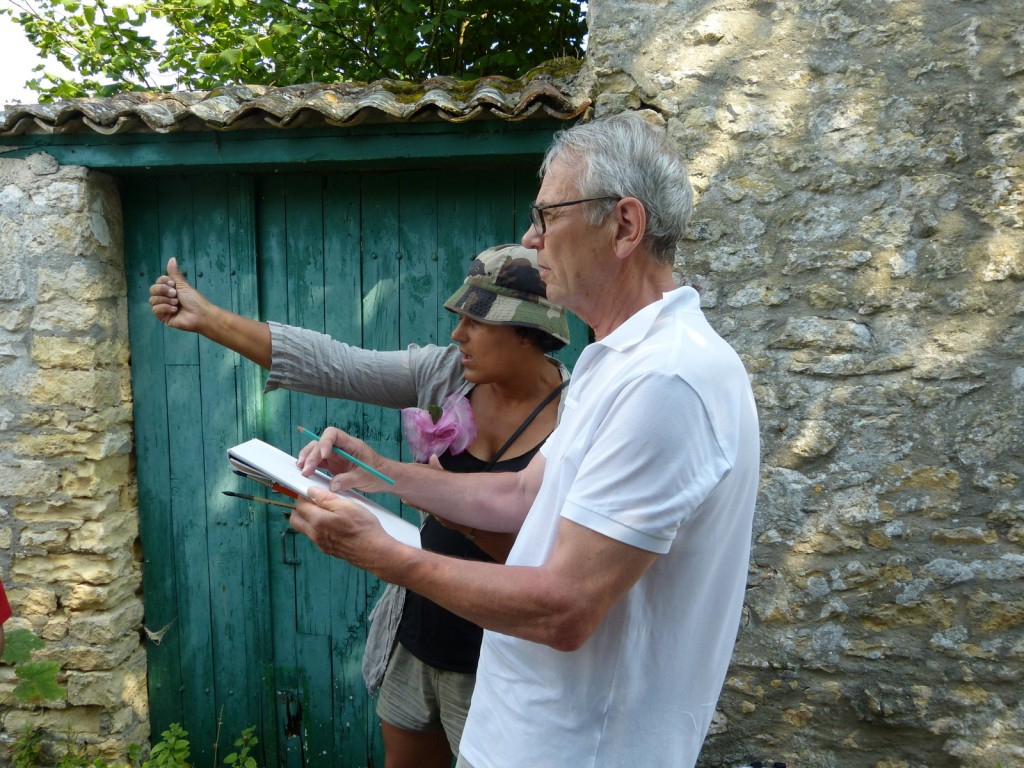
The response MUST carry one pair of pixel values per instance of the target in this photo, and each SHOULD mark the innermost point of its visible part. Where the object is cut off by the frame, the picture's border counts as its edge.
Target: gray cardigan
(415, 377)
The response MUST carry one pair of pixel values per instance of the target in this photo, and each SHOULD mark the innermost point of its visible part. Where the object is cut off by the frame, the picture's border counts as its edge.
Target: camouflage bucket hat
(504, 288)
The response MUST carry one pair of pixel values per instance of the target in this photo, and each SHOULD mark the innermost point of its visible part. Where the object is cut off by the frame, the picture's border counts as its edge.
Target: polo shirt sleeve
(653, 459)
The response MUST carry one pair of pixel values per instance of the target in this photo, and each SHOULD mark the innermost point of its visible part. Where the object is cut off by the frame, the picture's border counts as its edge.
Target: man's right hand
(175, 302)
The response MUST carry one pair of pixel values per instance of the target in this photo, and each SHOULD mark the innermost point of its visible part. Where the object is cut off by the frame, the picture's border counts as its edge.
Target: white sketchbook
(274, 468)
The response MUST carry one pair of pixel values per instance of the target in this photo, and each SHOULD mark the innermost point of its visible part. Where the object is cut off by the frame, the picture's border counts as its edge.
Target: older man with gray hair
(610, 627)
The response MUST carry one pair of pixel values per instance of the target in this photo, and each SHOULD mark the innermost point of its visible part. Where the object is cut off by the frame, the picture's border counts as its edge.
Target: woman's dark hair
(540, 339)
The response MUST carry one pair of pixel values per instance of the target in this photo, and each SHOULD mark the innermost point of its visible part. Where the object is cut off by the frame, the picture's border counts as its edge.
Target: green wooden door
(249, 623)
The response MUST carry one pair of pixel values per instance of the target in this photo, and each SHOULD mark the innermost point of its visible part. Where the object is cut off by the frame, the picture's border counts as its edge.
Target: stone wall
(68, 508)
(858, 237)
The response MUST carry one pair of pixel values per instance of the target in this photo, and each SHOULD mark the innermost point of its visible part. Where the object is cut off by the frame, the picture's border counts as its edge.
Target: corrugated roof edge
(549, 90)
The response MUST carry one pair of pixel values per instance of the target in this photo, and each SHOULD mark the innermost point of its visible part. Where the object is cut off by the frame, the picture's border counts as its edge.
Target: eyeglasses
(537, 211)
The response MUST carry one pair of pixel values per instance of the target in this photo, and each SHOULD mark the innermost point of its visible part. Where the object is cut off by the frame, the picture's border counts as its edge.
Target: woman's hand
(175, 303)
(347, 475)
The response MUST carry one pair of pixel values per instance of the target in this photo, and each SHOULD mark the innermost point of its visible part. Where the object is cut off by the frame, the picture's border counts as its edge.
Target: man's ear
(631, 225)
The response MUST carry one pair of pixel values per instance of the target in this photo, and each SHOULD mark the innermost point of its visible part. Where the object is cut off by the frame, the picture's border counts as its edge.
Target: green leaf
(19, 644)
(282, 42)
(38, 681)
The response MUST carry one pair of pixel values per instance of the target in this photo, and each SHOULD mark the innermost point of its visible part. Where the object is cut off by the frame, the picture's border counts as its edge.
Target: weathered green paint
(360, 147)
(263, 628)
(200, 549)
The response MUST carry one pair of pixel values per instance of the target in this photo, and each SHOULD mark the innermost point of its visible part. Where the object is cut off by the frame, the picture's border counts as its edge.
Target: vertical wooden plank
(272, 207)
(456, 240)
(255, 525)
(189, 530)
(186, 489)
(143, 264)
(381, 429)
(352, 592)
(495, 210)
(314, 608)
(417, 253)
(305, 274)
(218, 429)
(379, 226)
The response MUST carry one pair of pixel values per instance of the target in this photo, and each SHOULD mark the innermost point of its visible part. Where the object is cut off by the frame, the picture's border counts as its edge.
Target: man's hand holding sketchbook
(276, 469)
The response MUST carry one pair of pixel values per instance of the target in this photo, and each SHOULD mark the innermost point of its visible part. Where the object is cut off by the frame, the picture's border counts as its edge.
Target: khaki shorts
(417, 697)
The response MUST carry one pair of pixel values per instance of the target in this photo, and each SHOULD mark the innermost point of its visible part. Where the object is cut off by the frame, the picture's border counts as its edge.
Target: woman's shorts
(417, 697)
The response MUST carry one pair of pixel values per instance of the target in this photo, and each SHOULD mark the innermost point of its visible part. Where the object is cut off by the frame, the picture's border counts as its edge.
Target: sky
(19, 56)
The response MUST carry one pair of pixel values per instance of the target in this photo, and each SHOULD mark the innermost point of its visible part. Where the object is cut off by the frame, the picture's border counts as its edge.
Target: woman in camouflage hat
(497, 369)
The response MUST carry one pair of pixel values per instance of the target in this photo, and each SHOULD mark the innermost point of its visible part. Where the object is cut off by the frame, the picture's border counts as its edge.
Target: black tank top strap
(526, 422)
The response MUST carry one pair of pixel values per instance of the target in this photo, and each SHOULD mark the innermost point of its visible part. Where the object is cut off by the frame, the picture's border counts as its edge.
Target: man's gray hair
(625, 156)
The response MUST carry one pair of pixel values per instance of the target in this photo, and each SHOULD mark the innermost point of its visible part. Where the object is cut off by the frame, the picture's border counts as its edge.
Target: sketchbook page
(264, 462)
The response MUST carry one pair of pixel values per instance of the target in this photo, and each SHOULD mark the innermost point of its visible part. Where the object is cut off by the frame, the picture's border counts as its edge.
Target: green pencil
(351, 458)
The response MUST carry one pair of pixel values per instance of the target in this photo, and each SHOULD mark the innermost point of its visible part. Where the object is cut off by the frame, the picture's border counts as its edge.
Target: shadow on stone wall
(858, 237)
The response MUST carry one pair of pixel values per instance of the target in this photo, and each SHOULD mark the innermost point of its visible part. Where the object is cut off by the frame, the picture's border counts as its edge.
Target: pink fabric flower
(432, 431)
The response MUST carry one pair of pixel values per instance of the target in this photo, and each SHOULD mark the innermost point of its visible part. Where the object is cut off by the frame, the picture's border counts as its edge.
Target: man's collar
(637, 327)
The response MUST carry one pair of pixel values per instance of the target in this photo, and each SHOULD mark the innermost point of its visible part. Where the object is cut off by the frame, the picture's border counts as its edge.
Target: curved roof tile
(546, 91)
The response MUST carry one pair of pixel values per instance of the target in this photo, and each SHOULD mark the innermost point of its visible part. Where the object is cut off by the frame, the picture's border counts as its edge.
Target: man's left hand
(342, 529)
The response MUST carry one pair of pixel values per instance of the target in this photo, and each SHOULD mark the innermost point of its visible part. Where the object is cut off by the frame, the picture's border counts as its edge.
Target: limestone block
(965, 535)
(113, 689)
(42, 164)
(117, 418)
(992, 613)
(55, 628)
(27, 478)
(16, 318)
(83, 282)
(101, 628)
(97, 388)
(824, 333)
(101, 319)
(96, 597)
(1005, 258)
(59, 509)
(78, 353)
(32, 601)
(128, 726)
(932, 610)
(63, 195)
(113, 533)
(12, 281)
(89, 658)
(71, 568)
(97, 478)
(48, 539)
(815, 438)
(82, 721)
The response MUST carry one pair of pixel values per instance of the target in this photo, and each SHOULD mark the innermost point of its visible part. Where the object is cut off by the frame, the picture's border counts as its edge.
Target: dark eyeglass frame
(537, 211)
